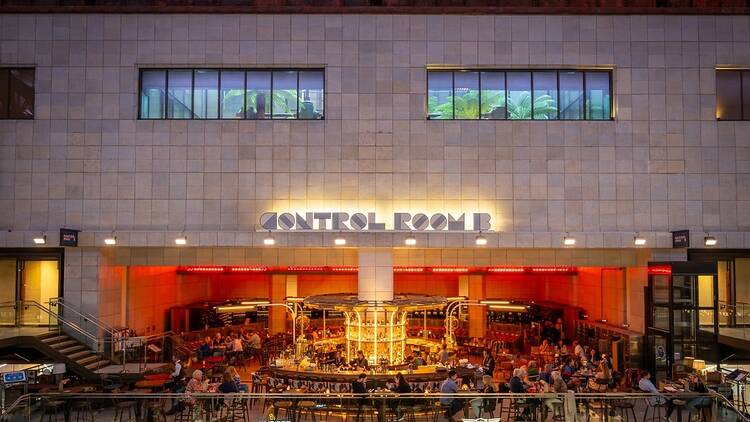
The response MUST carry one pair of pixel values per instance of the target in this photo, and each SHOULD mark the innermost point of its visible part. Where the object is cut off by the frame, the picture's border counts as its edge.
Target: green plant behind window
(519, 106)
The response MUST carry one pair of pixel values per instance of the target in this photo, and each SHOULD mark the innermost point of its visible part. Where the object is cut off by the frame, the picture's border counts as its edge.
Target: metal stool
(125, 406)
(52, 409)
(236, 410)
(626, 409)
(656, 412)
(284, 405)
(81, 411)
(305, 407)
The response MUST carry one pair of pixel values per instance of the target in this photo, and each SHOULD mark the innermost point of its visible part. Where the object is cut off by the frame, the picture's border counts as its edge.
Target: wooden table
(151, 384)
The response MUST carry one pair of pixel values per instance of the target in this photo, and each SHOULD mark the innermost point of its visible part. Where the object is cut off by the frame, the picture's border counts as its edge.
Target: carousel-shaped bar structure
(378, 328)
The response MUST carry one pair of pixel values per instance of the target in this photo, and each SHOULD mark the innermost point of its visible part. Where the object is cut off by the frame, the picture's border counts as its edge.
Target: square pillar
(277, 315)
(477, 314)
(375, 274)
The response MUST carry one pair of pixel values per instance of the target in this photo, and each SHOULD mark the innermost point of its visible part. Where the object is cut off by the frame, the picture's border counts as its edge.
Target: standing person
(360, 361)
(698, 386)
(444, 355)
(578, 350)
(176, 384)
(450, 387)
(488, 363)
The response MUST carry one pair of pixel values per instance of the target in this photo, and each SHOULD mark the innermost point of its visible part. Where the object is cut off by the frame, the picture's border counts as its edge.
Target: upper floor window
(16, 93)
(520, 94)
(733, 94)
(231, 94)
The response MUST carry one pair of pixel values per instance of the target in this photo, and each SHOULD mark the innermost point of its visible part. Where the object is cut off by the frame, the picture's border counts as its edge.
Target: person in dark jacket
(488, 363)
(401, 387)
(359, 386)
(227, 384)
(361, 361)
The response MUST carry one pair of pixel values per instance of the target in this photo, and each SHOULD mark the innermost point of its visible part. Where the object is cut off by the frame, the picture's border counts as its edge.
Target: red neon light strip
(513, 270)
(660, 270)
(408, 269)
(450, 270)
(258, 269)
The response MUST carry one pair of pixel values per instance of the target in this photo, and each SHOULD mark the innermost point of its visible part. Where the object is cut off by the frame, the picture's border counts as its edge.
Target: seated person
(562, 348)
(657, 399)
(337, 360)
(450, 386)
(602, 374)
(516, 382)
(417, 360)
(697, 386)
(545, 348)
(205, 350)
(359, 386)
(227, 384)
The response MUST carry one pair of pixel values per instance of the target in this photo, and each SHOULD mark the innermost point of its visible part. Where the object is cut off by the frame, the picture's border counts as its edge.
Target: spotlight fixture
(339, 241)
(182, 240)
(40, 240)
(110, 241)
(480, 240)
(569, 241)
(410, 240)
(709, 241)
(269, 240)
(639, 241)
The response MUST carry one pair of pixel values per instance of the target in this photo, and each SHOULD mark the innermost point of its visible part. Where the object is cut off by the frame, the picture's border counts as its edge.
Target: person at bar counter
(444, 355)
(361, 361)
(697, 386)
(400, 387)
(449, 387)
(359, 386)
(488, 363)
(337, 360)
(658, 399)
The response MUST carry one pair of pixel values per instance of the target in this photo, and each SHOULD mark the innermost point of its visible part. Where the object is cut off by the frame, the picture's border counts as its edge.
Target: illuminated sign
(401, 221)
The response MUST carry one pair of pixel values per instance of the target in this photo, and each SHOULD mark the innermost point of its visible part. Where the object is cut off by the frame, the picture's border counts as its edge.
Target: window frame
(505, 71)
(220, 70)
(9, 69)
(742, 111)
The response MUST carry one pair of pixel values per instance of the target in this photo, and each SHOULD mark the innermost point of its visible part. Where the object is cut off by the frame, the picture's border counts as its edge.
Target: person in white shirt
(578, 350)
(177, 368)
(657, 399)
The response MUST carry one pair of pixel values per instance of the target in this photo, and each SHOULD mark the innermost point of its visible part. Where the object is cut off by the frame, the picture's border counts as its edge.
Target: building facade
(94, 159)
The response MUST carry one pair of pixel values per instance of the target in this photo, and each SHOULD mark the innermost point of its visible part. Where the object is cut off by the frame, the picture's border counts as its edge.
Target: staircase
(73, 351)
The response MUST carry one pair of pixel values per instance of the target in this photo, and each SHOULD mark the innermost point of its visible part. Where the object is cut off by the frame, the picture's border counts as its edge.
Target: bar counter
(427, 373)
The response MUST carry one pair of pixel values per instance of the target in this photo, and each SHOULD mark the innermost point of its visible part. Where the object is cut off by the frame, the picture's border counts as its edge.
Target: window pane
(258, 95)
(206, 94)
(153, 83)
(284, 104)
(571, 95)
(21, 103)
(493, 95)
(4, 94)
(311, 94)
(519, 95)
(545, 95)
(746, 95)
(597, 96)
(232, 94)
(466, 95)
(439, 95)
(728, 95)
(179, 98)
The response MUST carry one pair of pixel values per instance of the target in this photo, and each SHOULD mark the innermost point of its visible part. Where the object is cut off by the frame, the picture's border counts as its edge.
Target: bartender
(360, 361)
(337, 359)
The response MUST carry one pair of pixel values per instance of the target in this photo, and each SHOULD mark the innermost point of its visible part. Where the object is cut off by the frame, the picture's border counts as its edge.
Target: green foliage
(467, 105)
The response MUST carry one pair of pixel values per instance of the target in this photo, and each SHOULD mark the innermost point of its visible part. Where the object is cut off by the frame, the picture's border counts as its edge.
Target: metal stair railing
(88, 339)
(85, 317)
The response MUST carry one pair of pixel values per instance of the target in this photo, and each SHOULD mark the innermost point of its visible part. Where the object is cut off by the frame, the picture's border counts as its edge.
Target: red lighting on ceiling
(256, 269)
(506, 270)
(660, 270)
(251, 269)
(200, 270)
(553, 270)
(344, 269)
(454, 270)
(413, 270)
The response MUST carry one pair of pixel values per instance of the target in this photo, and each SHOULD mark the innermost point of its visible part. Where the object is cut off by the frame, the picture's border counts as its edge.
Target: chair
(52, 409)
(155, 409)
(235, 409)
(121, 407)
(286, 406)
(305, 407)
(656, 412)
(81, 411)
(626, 408)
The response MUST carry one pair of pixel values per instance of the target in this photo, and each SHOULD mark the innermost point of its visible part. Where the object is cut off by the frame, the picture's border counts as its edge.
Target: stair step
(64, 344)
(79, 354)
(85, 361)
(73, 349)
(96, 365)
(47, 335)
(55, 339)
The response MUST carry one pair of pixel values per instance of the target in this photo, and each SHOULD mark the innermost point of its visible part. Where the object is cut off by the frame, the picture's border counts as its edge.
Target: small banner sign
(69, 237)
(681, 239)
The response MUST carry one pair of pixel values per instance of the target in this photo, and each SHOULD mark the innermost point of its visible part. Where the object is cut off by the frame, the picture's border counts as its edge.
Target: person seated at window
(488, 386)
(557, 385)
(359, 386)
(361, 361)
(237, 380)
(597, 384)
(227, 384)
(657, 399)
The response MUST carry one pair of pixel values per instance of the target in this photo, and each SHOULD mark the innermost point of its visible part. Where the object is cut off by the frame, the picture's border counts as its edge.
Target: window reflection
(728, 95)
(493, 95)
(285, 100)
(206, 94)
(466, 95)
(440, 95)
(4, 94)
(179, 95)
(519, 95)
(153, 84)
(21, 95)
(545, 95)
(597, 96)
(232, 101)
(258, 95)
(311, 94)
(571, 95)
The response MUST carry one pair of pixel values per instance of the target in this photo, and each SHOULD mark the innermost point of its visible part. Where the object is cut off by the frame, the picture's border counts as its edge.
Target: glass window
(728, 95)
(519, 95)
(4, 94)
(21, 101)
(232, 94)
(206, 94)
(493, 95)
(153, 83)
(179, 95)
(311, 94)
(571, 95)
(746, 95)
(284, 104)
(597, 96)
(466, 95)
(258, 95)
(440, 95)
(545, 95)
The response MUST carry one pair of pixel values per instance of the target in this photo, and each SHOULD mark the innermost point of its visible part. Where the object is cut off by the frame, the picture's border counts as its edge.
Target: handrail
(85, 315)
(729, 404)
(59, 318)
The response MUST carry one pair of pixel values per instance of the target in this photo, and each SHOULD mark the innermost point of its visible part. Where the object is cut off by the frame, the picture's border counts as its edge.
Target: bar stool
(81, 410)
(700, 413)
(626, 409)
(305, 407)
(284, 405)
(656, 411)
(121, 407)
(51, 409)
(235, 410)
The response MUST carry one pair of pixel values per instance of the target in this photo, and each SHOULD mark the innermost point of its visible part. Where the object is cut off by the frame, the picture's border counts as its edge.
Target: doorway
(27, 284)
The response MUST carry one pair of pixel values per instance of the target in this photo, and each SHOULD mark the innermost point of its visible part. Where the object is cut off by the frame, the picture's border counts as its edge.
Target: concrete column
(477, 314)
(277, 315)
(375, 274)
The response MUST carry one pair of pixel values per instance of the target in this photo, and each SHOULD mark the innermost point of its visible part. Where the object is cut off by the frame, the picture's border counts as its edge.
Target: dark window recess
(519, 94)
(16, 93)
(231, 94)
(729, 95)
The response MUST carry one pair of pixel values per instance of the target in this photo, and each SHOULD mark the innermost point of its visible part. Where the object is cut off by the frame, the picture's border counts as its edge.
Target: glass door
(8, 291)
(39, 284)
